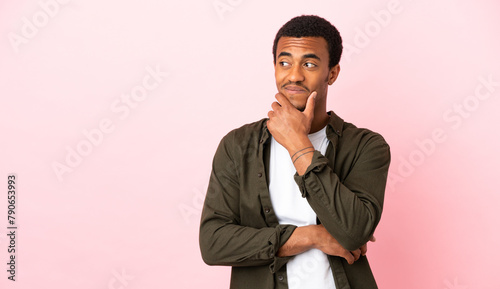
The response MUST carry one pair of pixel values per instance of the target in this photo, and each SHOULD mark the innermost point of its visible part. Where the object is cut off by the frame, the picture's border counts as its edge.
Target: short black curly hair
(312, 26)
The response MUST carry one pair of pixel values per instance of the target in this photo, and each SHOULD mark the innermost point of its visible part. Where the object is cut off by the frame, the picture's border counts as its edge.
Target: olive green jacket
(345, 188)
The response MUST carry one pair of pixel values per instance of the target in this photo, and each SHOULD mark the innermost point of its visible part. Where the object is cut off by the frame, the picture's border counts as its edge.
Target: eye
(309, 65)
(284, 63)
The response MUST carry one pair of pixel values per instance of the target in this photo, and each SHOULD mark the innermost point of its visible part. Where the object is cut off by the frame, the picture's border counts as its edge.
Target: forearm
(225, 240)
(225, 243)
(301, 153)
(345, 203)
(299, 242)
(232, 233)
(317, 237)
(346, 216)
(349, 209)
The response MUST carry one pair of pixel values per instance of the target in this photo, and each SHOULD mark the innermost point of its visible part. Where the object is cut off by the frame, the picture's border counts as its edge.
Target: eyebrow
(310, 55)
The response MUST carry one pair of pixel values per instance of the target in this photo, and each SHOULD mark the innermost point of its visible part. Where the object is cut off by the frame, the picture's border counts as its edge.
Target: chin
(300, 108)
(295, 101)
(294, 98)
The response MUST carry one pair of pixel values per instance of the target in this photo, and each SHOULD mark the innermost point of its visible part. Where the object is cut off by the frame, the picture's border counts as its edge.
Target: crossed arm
(349, 211)
(290, 128)
(316, 236)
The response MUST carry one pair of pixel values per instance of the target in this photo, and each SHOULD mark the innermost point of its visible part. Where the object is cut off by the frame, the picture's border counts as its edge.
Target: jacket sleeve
(349, 209)
(223, 240)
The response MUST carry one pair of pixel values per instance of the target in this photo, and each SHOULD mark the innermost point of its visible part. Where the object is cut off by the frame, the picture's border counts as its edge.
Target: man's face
(301, 68)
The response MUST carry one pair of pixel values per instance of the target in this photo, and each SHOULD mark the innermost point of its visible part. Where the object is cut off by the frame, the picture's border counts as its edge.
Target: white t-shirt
(310, 269)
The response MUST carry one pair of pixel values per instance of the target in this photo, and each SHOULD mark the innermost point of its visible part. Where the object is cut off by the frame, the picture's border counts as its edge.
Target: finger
(349, 258)
(275, 105)
(356, 254)
(270, 114)
(310, 104)
(373, 239)
(364, 249)
(282, 100)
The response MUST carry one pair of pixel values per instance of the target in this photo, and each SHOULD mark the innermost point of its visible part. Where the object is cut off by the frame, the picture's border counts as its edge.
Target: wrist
(300, 145)
(313, 237)
(308, 237)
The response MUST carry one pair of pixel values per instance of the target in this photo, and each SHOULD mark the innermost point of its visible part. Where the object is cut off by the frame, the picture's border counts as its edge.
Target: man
(293, 199)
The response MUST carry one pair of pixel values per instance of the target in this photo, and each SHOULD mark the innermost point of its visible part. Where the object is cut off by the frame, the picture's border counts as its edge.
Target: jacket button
(281, 278)
(259, 175)
(267, 210)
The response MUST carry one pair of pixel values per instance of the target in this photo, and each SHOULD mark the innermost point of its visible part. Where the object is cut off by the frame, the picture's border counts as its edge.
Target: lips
(295, 89)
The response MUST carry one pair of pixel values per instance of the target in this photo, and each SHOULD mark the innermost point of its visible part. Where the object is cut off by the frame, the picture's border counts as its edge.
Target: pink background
(126, 213)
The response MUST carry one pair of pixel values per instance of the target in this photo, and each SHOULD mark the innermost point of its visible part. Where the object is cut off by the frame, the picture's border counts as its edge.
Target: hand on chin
(298, 100)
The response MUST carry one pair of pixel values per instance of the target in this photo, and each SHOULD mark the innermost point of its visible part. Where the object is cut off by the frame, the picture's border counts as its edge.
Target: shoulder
(250, 132)
(362, 143)
(351, 136)
(245, 140)
(352, 133)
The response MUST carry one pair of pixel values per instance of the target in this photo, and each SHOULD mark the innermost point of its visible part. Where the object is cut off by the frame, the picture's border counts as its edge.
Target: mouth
(295, 89)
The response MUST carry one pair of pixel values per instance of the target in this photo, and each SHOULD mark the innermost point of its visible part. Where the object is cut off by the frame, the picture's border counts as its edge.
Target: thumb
(310, 104)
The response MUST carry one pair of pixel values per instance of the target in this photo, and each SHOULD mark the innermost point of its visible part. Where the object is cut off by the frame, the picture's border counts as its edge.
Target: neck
(320, 120)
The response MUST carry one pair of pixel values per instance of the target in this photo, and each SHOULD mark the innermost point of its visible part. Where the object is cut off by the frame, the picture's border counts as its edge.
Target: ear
(333, 74)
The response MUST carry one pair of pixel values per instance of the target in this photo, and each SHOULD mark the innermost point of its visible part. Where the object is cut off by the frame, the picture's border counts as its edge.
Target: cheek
(279, 77)
(327, 78)
(318, 80)
(319, 84)
(278, 74)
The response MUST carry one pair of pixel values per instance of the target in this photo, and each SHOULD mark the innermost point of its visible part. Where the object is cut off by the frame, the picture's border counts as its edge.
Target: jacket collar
(335, 125)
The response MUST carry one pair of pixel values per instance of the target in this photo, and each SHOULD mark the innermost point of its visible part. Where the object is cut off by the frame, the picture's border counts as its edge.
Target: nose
(296, 74)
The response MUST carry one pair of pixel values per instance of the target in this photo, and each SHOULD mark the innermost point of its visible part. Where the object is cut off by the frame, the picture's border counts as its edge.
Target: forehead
(302, 45)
